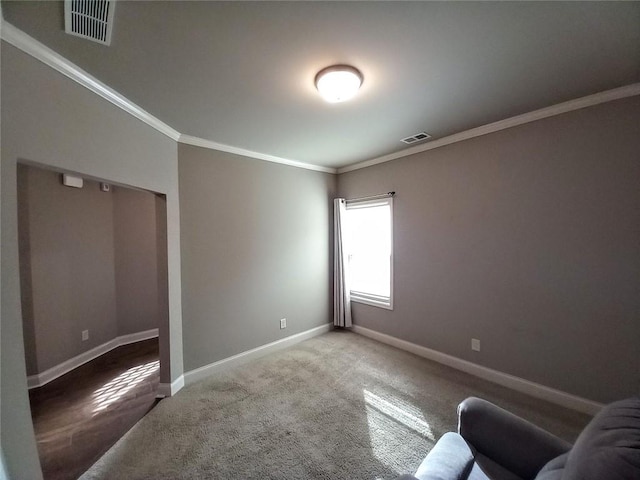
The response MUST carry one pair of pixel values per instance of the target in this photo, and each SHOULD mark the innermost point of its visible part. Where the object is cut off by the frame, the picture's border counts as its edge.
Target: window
(369, 251)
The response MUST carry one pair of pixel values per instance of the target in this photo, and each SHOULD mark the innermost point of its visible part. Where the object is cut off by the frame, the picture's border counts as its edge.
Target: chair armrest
(451, 457)
(516, 444)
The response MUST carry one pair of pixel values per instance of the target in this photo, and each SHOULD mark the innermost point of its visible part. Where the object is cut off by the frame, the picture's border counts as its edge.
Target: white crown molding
(200, 373)
(52, 373)
(201, 142)
(41, 52)
(37, 50)
(506, 380)
(560, 108)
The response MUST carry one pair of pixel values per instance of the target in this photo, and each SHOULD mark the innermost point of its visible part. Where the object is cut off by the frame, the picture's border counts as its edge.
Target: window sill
(385, 303)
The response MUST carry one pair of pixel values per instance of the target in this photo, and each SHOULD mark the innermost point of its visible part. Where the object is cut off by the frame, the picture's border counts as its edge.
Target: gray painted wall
(255, 248)
(136, 260)
(71, 250)
(50, 120)
(24, 248)
(3, 468)
(526, 239)
(88, 261)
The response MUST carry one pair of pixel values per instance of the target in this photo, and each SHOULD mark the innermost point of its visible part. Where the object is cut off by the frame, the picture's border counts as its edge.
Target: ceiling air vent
(90, 19)
(418, 137)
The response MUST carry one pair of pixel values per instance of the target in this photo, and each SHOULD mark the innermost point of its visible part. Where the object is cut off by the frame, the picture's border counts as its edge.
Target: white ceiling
(241, 73)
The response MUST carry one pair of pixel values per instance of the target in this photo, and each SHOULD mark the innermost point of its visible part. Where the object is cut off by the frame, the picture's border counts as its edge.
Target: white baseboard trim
(203, 372)
(40, 379)
(506, 380)
(137, 337)
(170, 389)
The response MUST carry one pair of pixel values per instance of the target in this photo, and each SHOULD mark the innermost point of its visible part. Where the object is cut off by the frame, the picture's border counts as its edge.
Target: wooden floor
(80, 415)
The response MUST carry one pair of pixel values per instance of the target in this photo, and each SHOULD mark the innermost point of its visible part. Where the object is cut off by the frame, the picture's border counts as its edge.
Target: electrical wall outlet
(283, 323)
(475, 344)
(85, 335)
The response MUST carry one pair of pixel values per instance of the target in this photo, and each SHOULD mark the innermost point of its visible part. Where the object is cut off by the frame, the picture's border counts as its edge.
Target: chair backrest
(609, 447)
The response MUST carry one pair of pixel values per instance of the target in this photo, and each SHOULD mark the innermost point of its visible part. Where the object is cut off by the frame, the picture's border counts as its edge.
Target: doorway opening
(94, 292)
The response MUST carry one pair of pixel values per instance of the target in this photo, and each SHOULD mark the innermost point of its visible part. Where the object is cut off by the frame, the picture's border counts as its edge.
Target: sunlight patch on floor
(388, 419)
(400, 411)
(119, 386)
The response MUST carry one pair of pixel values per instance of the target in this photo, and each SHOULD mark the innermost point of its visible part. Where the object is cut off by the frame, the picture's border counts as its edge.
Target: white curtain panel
(341, 295)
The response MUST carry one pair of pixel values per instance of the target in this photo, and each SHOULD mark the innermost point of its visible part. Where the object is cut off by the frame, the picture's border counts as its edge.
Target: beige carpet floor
(338, 406)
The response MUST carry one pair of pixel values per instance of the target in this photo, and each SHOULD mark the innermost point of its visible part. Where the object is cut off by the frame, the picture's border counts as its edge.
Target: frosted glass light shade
(338, 83)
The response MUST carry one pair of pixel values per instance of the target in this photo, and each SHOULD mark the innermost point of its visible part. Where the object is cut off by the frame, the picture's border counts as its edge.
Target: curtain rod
(372, 197)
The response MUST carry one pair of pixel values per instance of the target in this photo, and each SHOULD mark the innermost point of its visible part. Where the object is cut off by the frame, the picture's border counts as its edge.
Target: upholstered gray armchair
(493, 444)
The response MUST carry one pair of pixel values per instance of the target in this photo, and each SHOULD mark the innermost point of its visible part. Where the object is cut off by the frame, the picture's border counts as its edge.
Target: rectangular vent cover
(418, 137)
(90, 19)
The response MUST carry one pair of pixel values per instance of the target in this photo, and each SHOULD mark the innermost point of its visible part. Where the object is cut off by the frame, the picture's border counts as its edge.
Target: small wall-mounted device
(71, 181)
(105, 187)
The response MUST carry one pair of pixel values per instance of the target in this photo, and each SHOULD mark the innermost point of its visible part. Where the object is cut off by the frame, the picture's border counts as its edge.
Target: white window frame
(368, 298)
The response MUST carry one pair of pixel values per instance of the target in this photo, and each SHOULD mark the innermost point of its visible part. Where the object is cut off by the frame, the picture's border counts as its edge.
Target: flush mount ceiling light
(338, 83)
